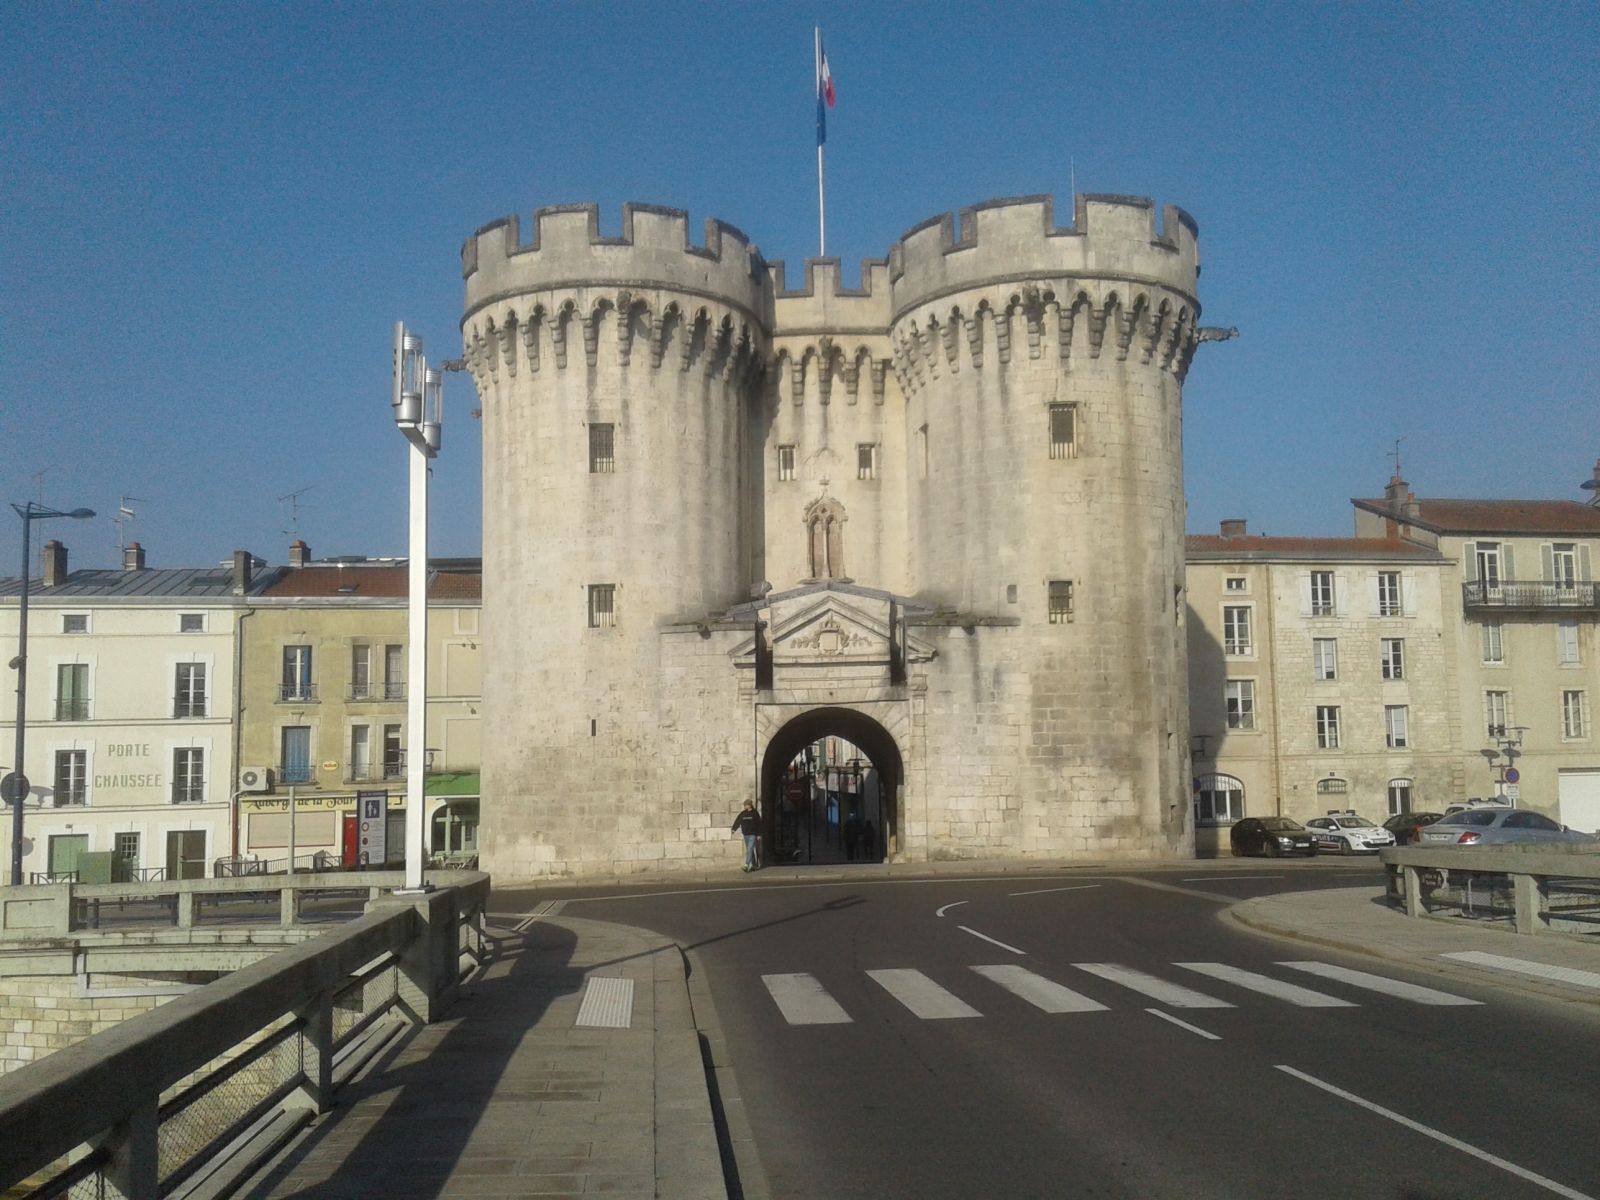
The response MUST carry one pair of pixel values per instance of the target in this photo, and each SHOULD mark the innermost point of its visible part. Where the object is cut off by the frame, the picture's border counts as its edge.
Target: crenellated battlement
(1111, 238)
(654, 251)
(823, 303)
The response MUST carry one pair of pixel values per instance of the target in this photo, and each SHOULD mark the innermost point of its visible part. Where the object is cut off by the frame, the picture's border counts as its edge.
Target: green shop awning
(453, 783)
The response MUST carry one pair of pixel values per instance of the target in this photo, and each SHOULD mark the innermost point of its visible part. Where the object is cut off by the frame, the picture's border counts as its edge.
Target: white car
(1346, 833)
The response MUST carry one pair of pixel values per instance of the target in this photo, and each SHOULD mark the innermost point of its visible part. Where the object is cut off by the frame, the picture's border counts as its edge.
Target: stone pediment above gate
(831, 631)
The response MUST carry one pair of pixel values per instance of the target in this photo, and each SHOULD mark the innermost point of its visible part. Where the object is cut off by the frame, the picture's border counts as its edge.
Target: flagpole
(822, 211)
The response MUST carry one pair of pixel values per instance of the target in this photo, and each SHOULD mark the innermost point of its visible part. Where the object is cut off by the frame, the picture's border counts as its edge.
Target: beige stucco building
(728, 512)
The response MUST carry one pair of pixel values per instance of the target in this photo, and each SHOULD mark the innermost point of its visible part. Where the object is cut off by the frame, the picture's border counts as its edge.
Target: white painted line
(1220, 878)
(922, 995)
(1046, 891)
(1184, 1024)
(1454, 1143)
(990, 940)
(1522, 966)
(1149, 985)
(607, 1003)
(1038, 991)
(940, 911)
(804, 1001)
(1267, 986)
(1379, 983)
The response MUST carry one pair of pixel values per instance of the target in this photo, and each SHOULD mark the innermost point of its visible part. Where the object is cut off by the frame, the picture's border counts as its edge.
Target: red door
(347, 840)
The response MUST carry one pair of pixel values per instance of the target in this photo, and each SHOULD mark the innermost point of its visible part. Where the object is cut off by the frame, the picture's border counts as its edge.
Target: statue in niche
(825, 520)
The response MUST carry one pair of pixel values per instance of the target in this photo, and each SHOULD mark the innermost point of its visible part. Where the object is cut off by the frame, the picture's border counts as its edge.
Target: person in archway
(869, 842)
(748, 823)
(852, 836)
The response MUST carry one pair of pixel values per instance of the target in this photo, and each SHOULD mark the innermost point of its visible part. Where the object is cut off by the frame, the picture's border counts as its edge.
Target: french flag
(824, 92)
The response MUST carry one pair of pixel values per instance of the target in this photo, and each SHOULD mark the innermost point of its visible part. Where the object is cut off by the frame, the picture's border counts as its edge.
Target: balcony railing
(295, 773)
(305, 692)
(377, 691)
(72, 710)
(1518, 596)
(394, 770)
(394, 691)
(193, 793)
(69, 797)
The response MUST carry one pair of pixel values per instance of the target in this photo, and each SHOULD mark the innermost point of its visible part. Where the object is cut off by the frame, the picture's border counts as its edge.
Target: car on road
(1271, 836)
(1346, 833)
(1405, 825)
(1498, 826)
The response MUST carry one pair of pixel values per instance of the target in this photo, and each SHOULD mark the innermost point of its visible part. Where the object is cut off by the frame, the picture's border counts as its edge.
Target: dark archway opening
(831, 781)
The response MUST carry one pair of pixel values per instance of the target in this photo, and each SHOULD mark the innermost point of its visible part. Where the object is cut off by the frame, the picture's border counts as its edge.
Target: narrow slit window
(1060, 601)
(1063, 431)
(602, 458)
(785, 463)
(867, 460)
(602, 605)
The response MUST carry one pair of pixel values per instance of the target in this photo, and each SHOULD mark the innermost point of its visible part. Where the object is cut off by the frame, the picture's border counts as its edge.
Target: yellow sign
(329, 767)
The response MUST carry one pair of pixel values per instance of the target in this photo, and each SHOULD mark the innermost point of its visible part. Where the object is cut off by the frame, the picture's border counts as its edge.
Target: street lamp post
(29, 512)
(418, 402)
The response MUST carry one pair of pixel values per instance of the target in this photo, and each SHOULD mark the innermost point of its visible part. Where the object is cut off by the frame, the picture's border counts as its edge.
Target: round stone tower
(615, 375)
(1043, 370)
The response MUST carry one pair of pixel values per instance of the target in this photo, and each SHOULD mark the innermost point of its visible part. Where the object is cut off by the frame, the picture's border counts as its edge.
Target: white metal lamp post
(418, 401)
(18, 780)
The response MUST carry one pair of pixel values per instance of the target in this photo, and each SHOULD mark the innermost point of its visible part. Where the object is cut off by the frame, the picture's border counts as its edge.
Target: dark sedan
(1271, 836)
(1405, 825)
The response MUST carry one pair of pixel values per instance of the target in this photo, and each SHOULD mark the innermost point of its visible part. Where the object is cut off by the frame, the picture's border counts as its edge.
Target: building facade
(938, 515)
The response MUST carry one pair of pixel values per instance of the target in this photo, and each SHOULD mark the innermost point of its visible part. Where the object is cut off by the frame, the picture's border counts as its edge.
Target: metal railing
(194, 1093)
(297, 691)
(1530, 595)
(72, 710)
(294, 773)
(1549, 887)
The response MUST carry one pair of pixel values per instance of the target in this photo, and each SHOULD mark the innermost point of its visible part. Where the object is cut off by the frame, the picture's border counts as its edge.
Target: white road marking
(1220, 878)
(942, 909)
(1379, 983)
(1454, 1143)
(1149, 985)
(922, 995)
(804, 1001)
(1045, 891)
(1183, 1024)
(607, 1003)
(550, 908)
(1038, 991)
(1522, 966)
(990, 940)
(1267, 986)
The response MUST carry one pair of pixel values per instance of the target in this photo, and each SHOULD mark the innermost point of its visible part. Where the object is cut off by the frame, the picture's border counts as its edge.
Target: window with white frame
(296, 683)
(1496, 712)
(1399, 796)
(1218, 800)
(189, 690)
(602, 449)
(1494, 650)
(191, 622)
(1395, 721)
(360, 752)
(1236, 583)
(1063, 430)
(394, 755)
(71, 778)
(1327, 726)
(394, 671)
(361, 672)
(1239, 696)
(1574, 715)
(1392, 658)
(1236, 629)
(785, 463)
(188, 775)
(74, 622)
(866, 460)
(1487, 556)
(1325, 658)
(602, 605)
(1322, 593)
(1389, 602)
(1567, 643)
(1564, 565)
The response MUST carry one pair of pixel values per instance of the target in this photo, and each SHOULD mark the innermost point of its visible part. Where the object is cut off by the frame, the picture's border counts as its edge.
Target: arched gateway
(804, 729)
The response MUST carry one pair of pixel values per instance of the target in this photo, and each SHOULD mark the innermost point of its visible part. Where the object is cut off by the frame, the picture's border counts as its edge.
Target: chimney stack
(133, 557)
(1396, 492)
(299, 553)
(1593, 486)
(55, 563)
(1234, 527)
(243, 562)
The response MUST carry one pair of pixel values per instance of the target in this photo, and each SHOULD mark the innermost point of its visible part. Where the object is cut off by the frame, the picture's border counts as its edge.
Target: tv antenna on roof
(294, 509)
(1395, 454)
(124, 515)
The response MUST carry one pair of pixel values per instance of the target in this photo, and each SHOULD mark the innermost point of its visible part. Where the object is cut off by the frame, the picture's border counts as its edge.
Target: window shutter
(1373, 600)
(1341, 593)
(1408, 593)
(1469, 561)
(1583, 563)
(1508, 564)
(1305, 594)
(1547, 560)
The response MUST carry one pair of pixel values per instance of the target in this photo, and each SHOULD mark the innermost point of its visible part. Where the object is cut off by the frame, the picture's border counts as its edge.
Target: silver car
(1496, 826)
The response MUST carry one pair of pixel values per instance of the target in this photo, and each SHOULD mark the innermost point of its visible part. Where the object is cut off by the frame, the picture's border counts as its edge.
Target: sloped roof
(1497, 516)
(156, 583)
(386, 582)
(1207, 547)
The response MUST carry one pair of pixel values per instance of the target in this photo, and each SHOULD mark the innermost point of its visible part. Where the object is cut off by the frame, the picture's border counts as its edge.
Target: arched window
(1218, 800)
(1399, 796)
(825, 539)
(1332, 787)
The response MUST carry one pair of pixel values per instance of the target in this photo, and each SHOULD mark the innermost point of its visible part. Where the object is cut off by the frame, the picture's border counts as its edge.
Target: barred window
(785, 462)
(1332, 787)
(602, 605)
(602, 460)
(1063, 430)
(1060, 601)
(866, 460)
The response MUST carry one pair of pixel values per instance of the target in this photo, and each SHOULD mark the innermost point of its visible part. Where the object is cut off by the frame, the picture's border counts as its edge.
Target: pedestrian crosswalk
(802, 999)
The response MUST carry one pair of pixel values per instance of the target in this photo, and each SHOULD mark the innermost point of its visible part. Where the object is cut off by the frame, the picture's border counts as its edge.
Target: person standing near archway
(748, 823)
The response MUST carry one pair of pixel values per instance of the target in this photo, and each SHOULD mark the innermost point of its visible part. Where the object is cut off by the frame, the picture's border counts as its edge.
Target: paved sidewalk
(510, 1097)
(1356, 919)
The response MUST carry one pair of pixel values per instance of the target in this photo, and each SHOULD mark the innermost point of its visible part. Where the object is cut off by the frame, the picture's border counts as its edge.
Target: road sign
(372, 815)
(1513, 793)
(1513, 775)
(13, 787)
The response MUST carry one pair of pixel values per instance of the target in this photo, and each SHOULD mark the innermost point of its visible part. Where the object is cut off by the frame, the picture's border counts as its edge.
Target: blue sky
(212, 215)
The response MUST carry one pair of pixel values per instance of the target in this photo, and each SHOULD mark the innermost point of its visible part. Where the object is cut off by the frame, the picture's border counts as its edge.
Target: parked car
(1271, 836)
(1346, 833)
(1404, 825)
(1477, 802)
(1497, 826)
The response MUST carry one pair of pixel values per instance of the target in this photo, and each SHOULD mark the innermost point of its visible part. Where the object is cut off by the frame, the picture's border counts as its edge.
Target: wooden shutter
(1547, 560)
